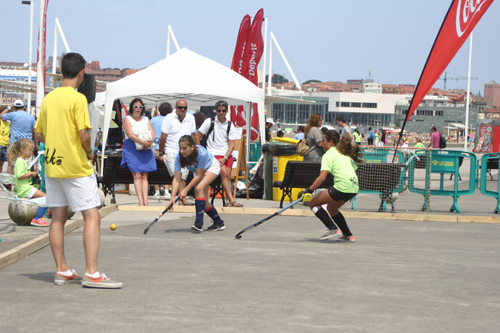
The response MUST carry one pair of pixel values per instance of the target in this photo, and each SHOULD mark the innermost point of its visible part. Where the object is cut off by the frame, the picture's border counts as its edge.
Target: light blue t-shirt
(203, 161)
(299, 136)
(21, 124)
(156, 123)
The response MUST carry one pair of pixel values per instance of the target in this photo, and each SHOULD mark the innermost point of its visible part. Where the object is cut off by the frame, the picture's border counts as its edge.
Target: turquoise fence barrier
(448, 162)
(488, 162)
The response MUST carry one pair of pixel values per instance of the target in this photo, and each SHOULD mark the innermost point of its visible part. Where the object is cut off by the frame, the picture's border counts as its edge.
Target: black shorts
(340, 196)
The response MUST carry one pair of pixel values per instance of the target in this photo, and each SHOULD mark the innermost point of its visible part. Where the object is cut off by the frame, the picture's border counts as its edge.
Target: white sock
(157, 192)
(95, 275)
(67, 273)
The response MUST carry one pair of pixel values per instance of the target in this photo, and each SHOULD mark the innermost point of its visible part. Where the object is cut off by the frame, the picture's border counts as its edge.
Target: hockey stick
(238, 235)
(156, 219)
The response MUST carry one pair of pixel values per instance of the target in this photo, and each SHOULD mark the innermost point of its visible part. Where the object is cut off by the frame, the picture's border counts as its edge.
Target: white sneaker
(157, 196)
(167, 195)
(329, 234)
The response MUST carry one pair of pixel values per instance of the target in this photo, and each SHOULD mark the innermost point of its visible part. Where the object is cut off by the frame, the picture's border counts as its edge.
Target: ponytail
(15, 149)
(346, 148)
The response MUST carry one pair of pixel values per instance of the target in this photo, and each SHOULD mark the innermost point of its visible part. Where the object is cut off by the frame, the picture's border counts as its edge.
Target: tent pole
(468, 94)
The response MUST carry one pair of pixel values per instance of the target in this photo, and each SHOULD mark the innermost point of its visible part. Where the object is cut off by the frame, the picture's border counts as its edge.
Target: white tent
(185, 75)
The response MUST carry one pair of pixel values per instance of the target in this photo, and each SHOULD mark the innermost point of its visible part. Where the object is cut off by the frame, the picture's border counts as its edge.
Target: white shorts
(214, 167)
(31, 194)
(78, 193)
(169, 160)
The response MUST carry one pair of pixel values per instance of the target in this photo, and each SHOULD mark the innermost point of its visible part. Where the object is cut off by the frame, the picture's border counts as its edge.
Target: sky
(327, 40)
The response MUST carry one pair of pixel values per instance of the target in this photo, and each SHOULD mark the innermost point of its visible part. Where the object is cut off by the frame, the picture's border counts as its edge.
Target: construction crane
(453, 78)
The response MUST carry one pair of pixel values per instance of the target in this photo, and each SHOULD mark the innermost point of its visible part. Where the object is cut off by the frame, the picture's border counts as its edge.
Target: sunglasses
(221, 110)
(181, 107)
(138, 106)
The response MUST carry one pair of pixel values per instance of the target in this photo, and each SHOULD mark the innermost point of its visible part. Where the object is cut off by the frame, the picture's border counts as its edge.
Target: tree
(277, 79)
(312, 81)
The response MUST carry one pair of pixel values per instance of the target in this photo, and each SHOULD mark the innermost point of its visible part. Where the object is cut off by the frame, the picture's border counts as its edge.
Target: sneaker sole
(329, 237)
(196, 229)
(102, 285)
(218, 229)
(65, 282)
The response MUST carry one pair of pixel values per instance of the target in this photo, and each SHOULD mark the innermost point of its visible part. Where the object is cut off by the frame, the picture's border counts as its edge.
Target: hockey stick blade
(146, 229)
(238, 235)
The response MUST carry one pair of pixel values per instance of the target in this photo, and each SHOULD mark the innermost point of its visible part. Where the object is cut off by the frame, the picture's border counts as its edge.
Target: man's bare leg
(56, 236)
(91, 238)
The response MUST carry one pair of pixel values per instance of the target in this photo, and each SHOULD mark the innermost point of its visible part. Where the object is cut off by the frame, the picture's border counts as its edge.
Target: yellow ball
(112, 227)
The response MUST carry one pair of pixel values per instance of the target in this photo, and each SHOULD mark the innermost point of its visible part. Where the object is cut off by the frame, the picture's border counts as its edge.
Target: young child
(419, 143)
(20, 151)
(339, 160)
(206, 168)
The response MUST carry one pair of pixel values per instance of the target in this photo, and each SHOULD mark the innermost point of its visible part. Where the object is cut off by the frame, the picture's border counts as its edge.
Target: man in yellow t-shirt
(4, 138)
(63, 126)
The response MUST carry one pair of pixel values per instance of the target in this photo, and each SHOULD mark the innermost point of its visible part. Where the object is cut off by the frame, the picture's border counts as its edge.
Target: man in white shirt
(220, 143)
(173, 127)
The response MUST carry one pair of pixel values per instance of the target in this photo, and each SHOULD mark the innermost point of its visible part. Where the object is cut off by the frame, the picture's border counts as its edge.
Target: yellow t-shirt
(63, 114)
(4, 133)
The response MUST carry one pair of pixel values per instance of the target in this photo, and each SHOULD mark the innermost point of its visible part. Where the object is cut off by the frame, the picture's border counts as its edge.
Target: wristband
(89, 152)
(184, 189)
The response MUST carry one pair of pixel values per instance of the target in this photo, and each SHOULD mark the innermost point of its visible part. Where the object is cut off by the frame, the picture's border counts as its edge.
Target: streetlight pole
(30, 52)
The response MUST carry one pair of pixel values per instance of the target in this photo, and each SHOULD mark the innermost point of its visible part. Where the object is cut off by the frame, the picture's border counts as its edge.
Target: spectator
(199, 118)
(140, 161)
(435, 138)
(18, 154)
(346, 130)
(371, 136)
(4, 137)
(174, 126)
(280, 134)
(269, 124)
(22, 125)
(300, 133)
(357, 137)
(220, 137)
(314, 138)
(63, 125)
(164, 109)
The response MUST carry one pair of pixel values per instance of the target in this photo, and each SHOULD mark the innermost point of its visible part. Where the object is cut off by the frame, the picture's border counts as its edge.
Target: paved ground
(401, 275)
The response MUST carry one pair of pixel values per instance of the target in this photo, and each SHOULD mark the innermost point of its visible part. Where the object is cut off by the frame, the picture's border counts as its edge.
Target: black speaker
(88, 87)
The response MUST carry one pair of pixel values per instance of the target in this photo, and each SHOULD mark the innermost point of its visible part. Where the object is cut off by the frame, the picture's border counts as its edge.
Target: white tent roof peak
(186, 75)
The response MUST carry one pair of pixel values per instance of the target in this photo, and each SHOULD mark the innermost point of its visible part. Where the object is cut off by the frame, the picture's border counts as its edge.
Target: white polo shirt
(217, 141)
(175, 129)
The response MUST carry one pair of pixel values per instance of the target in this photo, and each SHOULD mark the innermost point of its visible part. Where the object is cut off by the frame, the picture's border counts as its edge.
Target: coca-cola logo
(466, 13)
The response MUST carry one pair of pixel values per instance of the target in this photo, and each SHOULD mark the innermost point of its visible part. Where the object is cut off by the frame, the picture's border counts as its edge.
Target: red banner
(239, 51)
(246, 58)
(459, 22)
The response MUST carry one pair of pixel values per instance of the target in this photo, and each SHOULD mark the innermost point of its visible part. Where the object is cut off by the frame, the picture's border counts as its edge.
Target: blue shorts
(3, 153)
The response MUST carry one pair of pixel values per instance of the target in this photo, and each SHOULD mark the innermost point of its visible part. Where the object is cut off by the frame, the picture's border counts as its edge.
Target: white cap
(18, 103)
(270, 120)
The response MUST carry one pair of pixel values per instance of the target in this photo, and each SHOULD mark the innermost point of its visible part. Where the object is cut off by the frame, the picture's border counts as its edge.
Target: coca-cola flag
(246, 58)
(459, 22)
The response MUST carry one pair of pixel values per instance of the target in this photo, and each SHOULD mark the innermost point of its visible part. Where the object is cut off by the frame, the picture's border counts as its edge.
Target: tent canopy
(184, 75)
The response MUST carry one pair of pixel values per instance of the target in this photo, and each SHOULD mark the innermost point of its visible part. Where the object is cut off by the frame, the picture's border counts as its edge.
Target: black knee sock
(340, 221)
(324, 217)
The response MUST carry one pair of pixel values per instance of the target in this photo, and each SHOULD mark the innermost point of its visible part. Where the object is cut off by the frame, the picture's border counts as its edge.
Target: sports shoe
(331, 234)
(61, 279)
(39, 223)
(351, 239)
(167, 195)
(216, 227)
(197, 226)
(157, 196)
(100, 282)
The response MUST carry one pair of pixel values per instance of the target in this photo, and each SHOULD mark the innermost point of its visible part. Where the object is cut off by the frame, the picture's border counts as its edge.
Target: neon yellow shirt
(22, 187)
(63, 114)
(343, 170)
(4, 133)
(419, 145)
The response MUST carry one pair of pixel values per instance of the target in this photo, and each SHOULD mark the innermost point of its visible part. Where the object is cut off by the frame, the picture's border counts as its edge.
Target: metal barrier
(488, 162)
(448, 162)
